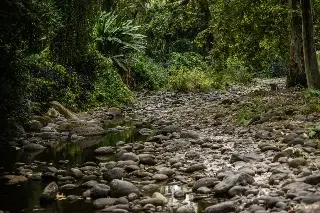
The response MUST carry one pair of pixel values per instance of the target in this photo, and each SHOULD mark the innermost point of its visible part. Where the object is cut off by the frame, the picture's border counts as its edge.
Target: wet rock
(186, 209)
(294, 163)
(205, 182)
(33, 147)
(100, 191)
(102, 202)
(195, 167)
(147, 159)
(238, 179)
(14, 179)
(50, 192)
(129, 156)
(114, 173)
(105, 150)
(120, 188)
(224, 207)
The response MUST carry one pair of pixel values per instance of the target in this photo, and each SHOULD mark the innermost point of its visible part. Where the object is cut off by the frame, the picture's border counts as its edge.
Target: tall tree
(296, 75)
(309, 47)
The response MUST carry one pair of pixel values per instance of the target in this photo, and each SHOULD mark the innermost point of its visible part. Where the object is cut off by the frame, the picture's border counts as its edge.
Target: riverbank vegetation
(87, 54)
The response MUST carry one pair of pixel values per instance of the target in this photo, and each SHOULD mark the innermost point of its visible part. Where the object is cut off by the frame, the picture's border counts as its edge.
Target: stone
(62, 110)
(35, 125)
(157, 200)
(205, 182)
(68, 186)
(90, 184)
(100, 191)
(195, 167)
(312, 179)
(224, 207)
(14, 179)
(171, 129)
(203, 190)
(102, 202)
(33, 147)
(150, 188)
(237, 179)
(296, 162)
(52, 113)
(114, 173)
(237, 157)
(49, 193)
(160, 177)
(147, 159)
(186, 209)
(120, 188)
(237, 190)
(179, 194)
(77, 173)
(129, 156)
(105, 150)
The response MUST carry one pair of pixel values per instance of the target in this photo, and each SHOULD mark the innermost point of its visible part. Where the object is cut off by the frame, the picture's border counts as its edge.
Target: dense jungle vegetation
(94, 53)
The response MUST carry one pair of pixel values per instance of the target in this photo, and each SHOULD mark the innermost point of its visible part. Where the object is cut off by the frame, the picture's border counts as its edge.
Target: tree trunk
(296, 75)
(309, 48)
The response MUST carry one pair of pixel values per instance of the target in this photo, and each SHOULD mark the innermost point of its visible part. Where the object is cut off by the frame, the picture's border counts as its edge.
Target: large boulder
(14, 179)
(62, 110)
(81, 128)
(49, 193)
(120, 188)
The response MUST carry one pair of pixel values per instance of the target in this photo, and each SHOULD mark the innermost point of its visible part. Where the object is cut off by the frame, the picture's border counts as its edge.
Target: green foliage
(311, 99)
(238, 72)
(147, 74)
(116, 37)
(186, 80)
(254, 108)
(108, 86)
(49, 81)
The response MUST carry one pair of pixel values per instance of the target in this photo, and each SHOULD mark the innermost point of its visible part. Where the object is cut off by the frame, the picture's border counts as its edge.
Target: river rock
(160, 177)
(205, 182)
(224, 207)
(195, 167)
(100, 191)
(147, 159)
(129, 156)
(14, 179)
(296, 162)
(237, 179)
(102, 202)
(120, 188)
(105, 150)
(171, 129)
(33, 147)
(186, 209)
(49, 193)
(62, 110)
(114, 173)
(35, 125)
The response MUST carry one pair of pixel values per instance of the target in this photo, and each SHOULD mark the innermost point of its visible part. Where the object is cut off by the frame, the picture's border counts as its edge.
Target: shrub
(109, 88)
(238, 72)
(147, 74)
(185, 80)
(50, 81)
